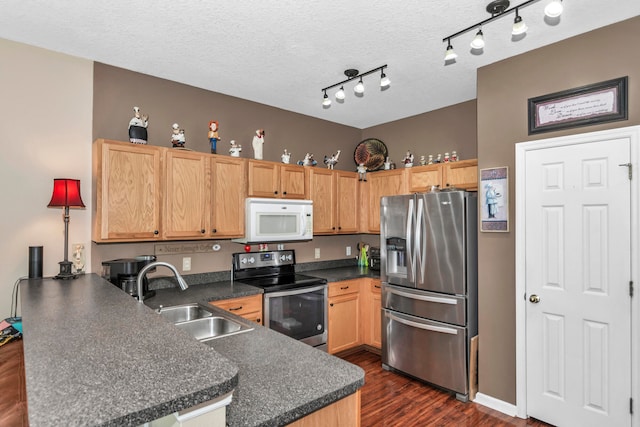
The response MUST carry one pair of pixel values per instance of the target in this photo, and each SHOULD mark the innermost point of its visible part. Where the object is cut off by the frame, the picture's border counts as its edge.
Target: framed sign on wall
(582, 106)
(494, 199)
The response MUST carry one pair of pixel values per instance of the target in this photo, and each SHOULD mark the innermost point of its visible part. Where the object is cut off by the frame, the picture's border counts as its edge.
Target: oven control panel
(263, 259)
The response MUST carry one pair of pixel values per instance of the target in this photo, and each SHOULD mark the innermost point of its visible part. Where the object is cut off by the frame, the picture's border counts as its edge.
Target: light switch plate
(317, 255)
(186, 263)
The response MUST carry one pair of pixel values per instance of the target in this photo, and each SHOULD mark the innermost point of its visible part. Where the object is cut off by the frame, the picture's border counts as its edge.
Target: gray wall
(503, 91)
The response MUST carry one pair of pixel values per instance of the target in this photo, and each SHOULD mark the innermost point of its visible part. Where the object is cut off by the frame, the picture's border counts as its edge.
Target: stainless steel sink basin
(212, 327)
(203, 322)
(183, 313)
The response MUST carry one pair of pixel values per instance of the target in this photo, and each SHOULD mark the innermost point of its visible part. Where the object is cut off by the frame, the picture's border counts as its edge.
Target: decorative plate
(372, 153)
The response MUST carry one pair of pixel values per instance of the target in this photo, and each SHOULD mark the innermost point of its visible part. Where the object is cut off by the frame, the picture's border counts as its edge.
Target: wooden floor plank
(390, 399)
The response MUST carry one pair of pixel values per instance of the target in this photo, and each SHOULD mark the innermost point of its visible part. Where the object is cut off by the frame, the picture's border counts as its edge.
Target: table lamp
(66, 194)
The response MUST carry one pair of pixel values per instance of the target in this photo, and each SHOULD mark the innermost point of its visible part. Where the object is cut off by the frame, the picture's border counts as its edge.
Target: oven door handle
(295, 291)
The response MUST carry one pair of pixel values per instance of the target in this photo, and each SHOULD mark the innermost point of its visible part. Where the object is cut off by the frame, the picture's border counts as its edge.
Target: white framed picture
(494, 199)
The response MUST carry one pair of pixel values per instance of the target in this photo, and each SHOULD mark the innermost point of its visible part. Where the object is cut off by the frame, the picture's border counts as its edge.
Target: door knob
(534, 299)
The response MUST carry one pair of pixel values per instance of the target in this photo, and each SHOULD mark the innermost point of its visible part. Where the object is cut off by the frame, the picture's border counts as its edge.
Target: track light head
(478, 40)
(340, 93)
(450, 55)
(384, 80)
(326, 102)
(519, 26)
(359, 88)
(553, 9)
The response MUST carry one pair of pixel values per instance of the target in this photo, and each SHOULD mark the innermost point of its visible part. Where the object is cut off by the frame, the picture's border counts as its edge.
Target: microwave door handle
(409, 243)
(433, 328)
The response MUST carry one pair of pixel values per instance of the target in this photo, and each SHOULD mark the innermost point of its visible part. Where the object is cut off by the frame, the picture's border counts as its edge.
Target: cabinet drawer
(242, 305)
(376, 287)
(344, 287)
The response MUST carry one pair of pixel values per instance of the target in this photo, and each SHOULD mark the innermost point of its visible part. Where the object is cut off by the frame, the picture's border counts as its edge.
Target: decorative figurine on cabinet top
(331, 161)
(257, 143)
(177, 136)
(408, 160)
(138, 127)
(362, 172)
(308, 160)
(213, 135)
(387, 164)
(235, 149)
(423, 161)
(286, 157)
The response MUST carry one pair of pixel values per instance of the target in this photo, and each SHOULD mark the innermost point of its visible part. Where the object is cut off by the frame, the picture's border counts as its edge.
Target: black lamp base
(65, 271)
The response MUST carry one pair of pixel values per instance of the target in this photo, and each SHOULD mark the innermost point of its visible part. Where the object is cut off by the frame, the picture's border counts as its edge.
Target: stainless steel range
(294, 304)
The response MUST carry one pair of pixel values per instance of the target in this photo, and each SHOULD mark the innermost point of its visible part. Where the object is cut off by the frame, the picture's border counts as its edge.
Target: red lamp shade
(66, 192)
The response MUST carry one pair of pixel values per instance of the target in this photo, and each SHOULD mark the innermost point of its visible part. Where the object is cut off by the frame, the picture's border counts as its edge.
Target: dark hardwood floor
(390, 399)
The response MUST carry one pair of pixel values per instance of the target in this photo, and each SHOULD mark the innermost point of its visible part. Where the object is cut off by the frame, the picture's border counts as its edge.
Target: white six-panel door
(577, 269)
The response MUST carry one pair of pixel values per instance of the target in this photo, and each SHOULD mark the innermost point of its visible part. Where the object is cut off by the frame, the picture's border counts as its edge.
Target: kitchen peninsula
(95, 356)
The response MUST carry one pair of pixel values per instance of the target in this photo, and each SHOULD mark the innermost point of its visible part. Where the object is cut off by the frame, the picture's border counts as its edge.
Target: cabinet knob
(339, 228)
(284, 193)
(203, 231)
(333, 228)
(156, 232)
(275, 192)
(331, 305)
(215, 230)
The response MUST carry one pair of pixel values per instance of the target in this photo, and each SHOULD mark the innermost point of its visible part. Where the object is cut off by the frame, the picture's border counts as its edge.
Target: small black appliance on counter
(374, 258)
(123, 273)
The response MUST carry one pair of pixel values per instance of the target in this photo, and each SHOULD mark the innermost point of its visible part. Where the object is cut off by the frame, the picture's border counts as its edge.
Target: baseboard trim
(498, 405)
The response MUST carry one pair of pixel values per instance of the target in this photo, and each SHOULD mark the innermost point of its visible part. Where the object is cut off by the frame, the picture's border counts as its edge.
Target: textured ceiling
(282, 53)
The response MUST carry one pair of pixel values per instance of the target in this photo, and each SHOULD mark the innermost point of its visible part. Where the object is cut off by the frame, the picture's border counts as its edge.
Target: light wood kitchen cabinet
(249, 307)
(128, 191)
(335, 201)
(422, 178)
(275, 180)
(343, 331)
(384, 183)
(372, 321)
(462, 174)
(204, 196)
(228, 191)
(186, 195)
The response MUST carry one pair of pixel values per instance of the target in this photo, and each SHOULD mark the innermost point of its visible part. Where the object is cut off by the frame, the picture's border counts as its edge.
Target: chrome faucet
(181, 281)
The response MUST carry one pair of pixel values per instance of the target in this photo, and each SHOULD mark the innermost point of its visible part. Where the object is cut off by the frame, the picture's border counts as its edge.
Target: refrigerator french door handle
(421, 240)
(411, 266)
(437, 300)
(440, 329)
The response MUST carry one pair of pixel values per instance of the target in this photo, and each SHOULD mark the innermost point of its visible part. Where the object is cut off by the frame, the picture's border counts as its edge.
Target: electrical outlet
(317, 253)
(280, 246)
(186, 263)
(348, 251)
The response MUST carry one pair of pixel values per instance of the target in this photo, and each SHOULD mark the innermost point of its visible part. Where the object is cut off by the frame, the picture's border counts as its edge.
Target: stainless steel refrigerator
(428, 258)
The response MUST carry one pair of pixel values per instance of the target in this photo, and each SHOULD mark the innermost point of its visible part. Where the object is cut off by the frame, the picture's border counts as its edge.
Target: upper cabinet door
(422, 178)
(322, 193)
(228, 191)
(186, 195)
(264, 179)
(384, 183)
(348, 198)
(462, 174)
(292, 182)
(128, 195)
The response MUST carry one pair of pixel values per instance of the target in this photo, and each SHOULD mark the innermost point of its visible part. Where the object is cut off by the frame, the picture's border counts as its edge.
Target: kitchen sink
(202, 322)
(212, 327)
(184, 313)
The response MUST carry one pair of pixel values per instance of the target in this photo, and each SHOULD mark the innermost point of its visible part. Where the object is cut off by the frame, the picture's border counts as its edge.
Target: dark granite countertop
(95, 356)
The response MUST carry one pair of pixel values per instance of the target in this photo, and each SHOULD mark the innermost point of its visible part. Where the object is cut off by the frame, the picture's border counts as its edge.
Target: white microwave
(277, 220)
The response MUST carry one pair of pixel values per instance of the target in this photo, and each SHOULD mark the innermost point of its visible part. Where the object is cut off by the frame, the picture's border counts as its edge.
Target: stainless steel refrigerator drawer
(430, 305)
(431, 351)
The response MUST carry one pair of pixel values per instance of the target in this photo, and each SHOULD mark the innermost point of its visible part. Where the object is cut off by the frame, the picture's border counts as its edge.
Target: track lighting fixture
(353, 74)
(553, 9)
(478, 40)
(519, 27)
(325, 100)
(450, 55)
(498, 8)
